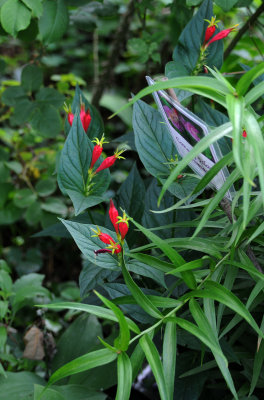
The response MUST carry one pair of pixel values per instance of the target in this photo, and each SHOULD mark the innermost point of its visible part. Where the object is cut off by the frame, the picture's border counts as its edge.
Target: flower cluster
(84, 116)
(121, 227)
(107, 162)
(210, 30)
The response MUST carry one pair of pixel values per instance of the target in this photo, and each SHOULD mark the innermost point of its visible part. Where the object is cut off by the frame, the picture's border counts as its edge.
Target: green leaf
(87, 328)
(31, 78)
(153, 358)
(258, 362)
(226, 5)
(146, 270)
(217, 292)
(83, 363)
(202, 145)
(15, 17)
(75, 161)
(83, 236)
(138, 295)
(131, 198)
(246, 80)
(122, 341)
(49, 96)
(169, 356)
(55, 206)
(19, 385)
(35, 6)
(95, 310)
(172, 254)
(153, 142)
(24, 198)
(14, 166)
(208, 331)
(216, 200)
(13, 95)
(188, 48)
(54, 21)
(33, 214)
(124, 374)
(46, 121)
(153, 261)
(45, 187)
(254, 93)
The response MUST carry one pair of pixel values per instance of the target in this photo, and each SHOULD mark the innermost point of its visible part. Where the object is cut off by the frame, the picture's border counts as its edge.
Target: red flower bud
(114, 249)
(97, 151)
(85, 118)
(104, 237)
(221, 35)
(113, 214)
(244, 133)
(109, 161)
(123, 225)
(70, 118)
(210, 30)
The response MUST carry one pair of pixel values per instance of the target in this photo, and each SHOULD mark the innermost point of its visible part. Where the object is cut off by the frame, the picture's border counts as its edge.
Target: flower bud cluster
(121, 227)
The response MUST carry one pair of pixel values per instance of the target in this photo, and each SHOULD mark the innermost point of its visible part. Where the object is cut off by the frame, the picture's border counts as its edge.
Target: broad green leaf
(54, 21)
(24, 198)
(142, 269)
(45, 187)
(49, 96)
(124, 374)
(152, 219)
(54, 205)
(95, 310)
(172, 254)
(83, 363)
(153, 142)
(31, 77)
(35, 6)
(87, 243)
(15, 16)
(169, 356)
(16, 384)
(246, 80)
(131, 198)
(45, 120)
(75, 162)
(188, 48)
(87, 328)
(153, 358)
(139, 296)
(226, 5)
(123, 340)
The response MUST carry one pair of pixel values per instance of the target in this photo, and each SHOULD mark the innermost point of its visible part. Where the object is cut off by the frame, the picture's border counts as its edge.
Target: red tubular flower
(221, 35)
(70, 118)
(85, 117)
(210, 30)
(123, 225)
(97, 151)
(113, 214)
(109, 161)
(117, 249)
(104, 237)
